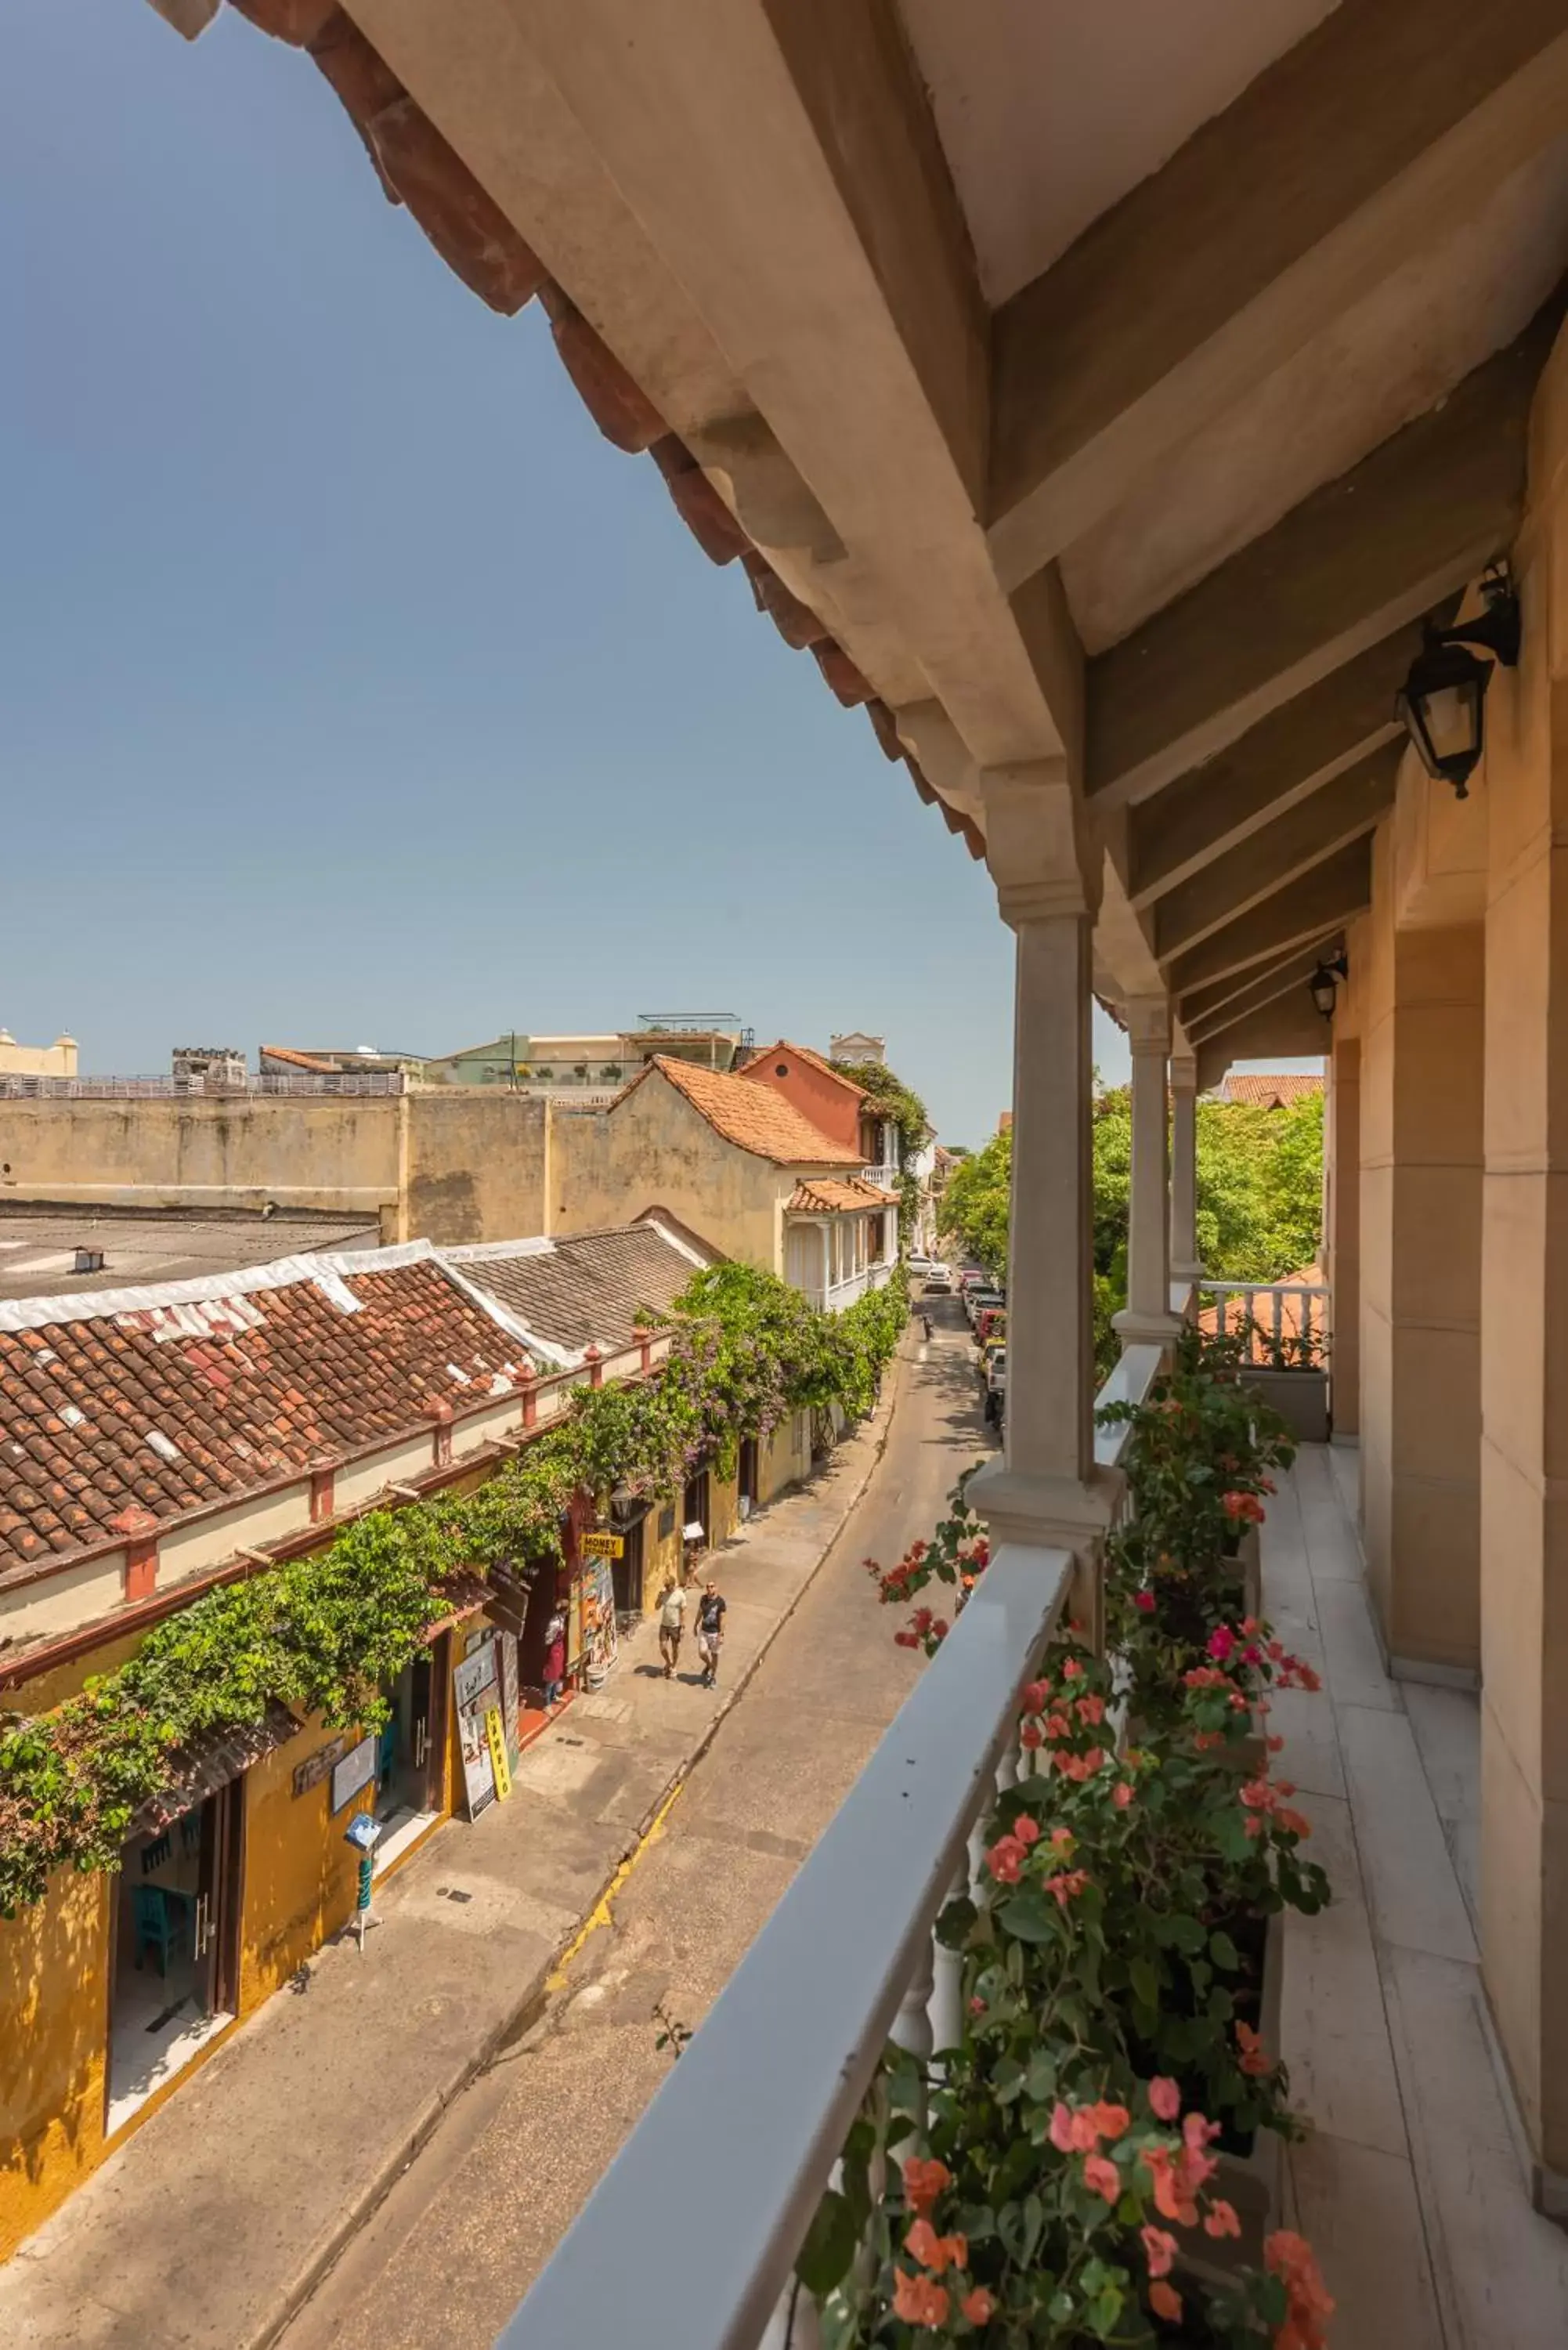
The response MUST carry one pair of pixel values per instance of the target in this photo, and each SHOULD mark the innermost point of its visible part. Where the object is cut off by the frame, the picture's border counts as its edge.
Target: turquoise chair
(155, 1929)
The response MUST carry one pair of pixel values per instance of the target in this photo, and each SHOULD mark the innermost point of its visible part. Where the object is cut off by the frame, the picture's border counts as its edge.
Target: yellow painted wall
(299, 1875)
(448, 1165)
(654, 1150)
(784, 1457)
(54, 1994)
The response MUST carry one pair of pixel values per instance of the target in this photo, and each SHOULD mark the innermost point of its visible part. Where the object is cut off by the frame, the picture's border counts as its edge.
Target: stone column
(1524, 1334)
(1342, 1230)
(1147, 1316)
(1046, 1489)
(1420, 1240)
(1184, 1263)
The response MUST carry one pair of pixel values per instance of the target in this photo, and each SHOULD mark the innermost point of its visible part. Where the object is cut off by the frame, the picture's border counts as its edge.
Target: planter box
(1301, 1398)
(1250, 2182)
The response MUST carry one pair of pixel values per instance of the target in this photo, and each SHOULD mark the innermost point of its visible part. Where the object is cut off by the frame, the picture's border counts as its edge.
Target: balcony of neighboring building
(841, 1241)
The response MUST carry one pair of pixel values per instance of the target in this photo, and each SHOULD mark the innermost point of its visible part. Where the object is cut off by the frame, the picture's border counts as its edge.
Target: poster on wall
(475, 1691)
(599, 1641)
(507, 1644)
(356, 1769)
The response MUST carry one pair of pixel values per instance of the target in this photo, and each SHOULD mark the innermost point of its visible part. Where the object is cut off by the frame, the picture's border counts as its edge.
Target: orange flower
(1091, 1709)
(924, 2181)
(1296, 1823)
(1073, 2133)
(1221, 2221)
(1253, 2059)
(1160, 2245)
(919, 2299)
(1164, 2302)
(923, 2244)
(1005, 1860)
(1067, 1885)
(978, 2306)
(1123, 1796)
(1101, 2177)
(1308, 2307)
(1110, 2121)
(1025, 1829)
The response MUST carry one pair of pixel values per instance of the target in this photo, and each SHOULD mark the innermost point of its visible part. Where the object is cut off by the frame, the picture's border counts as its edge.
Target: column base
(1189, 1272)
(1054, 1513)
(1136, 1330)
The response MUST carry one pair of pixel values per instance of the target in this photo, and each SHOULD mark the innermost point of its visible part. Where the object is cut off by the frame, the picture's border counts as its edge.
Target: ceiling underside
(1107, 392)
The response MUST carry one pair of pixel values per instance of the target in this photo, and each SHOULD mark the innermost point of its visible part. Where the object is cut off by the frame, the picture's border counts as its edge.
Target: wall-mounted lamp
(1441, 704)
(1323, 984)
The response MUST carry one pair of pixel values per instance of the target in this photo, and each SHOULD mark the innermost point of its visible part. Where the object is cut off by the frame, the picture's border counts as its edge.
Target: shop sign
(496, 1739)
(475, 1694)
(602, 1546)
(357, 1770)
(315, 1767)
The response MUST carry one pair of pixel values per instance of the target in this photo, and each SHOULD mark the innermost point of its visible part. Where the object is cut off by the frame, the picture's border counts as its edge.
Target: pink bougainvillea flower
(924, 2181)
(978, 2305)
(1159, 2248)
(1123, 1796)
(1005, 1860)
(1027, 1828)
(1296, 1823)
(977, 2007)
(1091, 1709)
(1110, 2121)
(919, 2300)
(1309, 2308)
(1032, 1735)
(1221, 1641)
(1067, 1885)
(1101, 2177)
(1273, 1741)
(1144, 1600)
(923, 2244)
(1064, 1841)
(1164, 2302)
(1072, 1670)
(1036, 1697)
(1073, 2131)
(1221, 2220)
(1197, 2133)
(1164, 2097)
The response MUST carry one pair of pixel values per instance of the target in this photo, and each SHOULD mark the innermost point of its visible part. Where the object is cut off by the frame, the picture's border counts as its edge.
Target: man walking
(671, 1623)
(709, 1632)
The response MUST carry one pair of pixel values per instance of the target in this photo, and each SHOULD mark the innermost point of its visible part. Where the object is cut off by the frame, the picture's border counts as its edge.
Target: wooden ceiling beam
(1302, 836)
(1175, 304)
(1249, 993)
(1320, 901)
(1356, 561)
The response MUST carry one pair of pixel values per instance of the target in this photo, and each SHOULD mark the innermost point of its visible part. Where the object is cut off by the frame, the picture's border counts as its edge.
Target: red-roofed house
(1267, 1091)
(747, 1161)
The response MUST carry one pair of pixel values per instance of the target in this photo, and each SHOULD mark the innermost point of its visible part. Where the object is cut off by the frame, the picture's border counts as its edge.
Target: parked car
(986, 1356)
(972, 1277)
(975, 1300)
(938, 1281)
(996, 1385)
(990, 1322)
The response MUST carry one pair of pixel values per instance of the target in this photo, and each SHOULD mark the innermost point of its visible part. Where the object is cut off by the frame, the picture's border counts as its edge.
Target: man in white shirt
(671, 1623)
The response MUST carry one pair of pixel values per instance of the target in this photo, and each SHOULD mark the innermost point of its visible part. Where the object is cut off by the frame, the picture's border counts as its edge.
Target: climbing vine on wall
(326, 1634)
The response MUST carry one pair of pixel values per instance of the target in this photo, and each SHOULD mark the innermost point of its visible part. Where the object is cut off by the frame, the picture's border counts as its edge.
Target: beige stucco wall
(654, 1150)
(1419, 1241)
(1342, 1226)
(56, 1060)
(452, 1165)
(1524, 1357)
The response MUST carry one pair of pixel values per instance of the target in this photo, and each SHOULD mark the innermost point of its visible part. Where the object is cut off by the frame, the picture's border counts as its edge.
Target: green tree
(1260, 1193)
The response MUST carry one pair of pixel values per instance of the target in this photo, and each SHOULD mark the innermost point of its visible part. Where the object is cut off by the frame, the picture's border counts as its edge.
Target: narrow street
(481, 2208)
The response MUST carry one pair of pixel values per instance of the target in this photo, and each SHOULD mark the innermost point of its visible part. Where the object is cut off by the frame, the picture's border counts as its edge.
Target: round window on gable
(781, 1069)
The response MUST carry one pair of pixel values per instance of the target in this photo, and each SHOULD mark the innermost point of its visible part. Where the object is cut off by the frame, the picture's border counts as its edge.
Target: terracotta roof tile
(824, 1195)
(1265, 1092)
(587, 1288)
(241, 1387)
(803, 1053)
(751, 1116)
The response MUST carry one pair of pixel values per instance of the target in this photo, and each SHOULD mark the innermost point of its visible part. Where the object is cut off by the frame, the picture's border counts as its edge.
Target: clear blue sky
(352, 689)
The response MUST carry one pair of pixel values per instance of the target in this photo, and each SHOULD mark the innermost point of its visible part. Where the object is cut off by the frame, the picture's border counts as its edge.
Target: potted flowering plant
(1292, 1380)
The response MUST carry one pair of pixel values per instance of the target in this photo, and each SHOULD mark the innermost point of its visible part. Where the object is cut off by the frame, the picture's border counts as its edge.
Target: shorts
(707, 1645)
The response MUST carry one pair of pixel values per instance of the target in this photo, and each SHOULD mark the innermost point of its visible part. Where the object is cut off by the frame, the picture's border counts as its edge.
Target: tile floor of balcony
(1410, 2186)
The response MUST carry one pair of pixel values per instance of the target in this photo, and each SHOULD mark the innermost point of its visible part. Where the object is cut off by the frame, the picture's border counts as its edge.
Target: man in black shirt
(709, 1632)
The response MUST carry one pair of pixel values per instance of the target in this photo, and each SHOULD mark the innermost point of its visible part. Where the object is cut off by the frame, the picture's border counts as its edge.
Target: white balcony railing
(761, 2101)
(1284, 1321)
(885, 1178)
(753, 2116)
(840, 1294)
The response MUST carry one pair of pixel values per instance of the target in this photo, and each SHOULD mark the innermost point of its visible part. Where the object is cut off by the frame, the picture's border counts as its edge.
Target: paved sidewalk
(210, 2227)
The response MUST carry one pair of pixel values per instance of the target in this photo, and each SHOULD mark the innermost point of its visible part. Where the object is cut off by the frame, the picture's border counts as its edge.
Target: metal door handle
(422, 1743)
(204, 1934)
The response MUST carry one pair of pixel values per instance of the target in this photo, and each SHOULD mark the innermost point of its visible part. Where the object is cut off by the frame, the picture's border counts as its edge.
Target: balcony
(887, 1179)
(1408, 2184)
(854, 1285)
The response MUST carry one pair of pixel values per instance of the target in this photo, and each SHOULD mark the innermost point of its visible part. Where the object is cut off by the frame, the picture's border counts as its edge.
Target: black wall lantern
(1323, 984)
(1442, 703)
